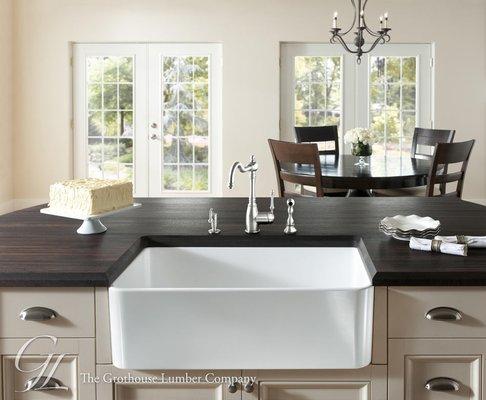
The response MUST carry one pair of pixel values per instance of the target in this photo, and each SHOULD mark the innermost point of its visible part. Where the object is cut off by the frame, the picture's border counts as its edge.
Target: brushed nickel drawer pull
(442, 385)
(444, 314)
(249, 387)
(37, 314)
(44, 383)
(233, 387)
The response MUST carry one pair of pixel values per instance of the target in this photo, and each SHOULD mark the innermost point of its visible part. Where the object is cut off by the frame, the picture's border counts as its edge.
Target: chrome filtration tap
(253, 217)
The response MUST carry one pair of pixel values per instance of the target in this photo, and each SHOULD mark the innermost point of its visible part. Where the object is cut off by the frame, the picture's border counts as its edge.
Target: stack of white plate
(403, 227)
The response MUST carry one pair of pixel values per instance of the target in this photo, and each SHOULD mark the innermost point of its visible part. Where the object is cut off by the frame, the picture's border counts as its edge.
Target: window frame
(355, 83)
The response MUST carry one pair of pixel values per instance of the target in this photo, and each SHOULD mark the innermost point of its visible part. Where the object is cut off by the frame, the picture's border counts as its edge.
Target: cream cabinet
(59, 324)
(61, 312)
(361, 384)
(116, 384)
(436, 312)
(60, 379)
(436, 369)
(428, 343)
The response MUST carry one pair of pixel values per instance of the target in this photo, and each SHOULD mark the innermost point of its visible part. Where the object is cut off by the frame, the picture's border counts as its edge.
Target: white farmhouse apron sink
(242, 308)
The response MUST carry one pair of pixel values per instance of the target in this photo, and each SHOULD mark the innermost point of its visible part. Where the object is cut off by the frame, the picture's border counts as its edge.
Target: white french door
(391, 91)
(150, 113)
(185, 119)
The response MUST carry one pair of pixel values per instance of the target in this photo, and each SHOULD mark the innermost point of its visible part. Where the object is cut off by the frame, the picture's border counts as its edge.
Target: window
(150, 113)
(109, 86)
(391, 91)
(185, 123)
(317, 90)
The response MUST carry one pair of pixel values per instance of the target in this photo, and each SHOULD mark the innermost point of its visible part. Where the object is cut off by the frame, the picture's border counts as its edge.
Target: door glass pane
(185, 123)
(109, 98)
(392, 103)
(318, 91)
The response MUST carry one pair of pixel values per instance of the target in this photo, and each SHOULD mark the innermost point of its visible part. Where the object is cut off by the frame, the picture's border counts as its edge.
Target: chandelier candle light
(380, 36)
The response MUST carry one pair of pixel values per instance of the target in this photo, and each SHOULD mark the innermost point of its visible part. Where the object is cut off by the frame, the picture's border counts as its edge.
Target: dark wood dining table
(383, 172)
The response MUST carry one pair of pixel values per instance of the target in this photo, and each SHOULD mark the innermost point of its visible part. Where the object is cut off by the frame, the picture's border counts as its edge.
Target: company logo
(44, 371)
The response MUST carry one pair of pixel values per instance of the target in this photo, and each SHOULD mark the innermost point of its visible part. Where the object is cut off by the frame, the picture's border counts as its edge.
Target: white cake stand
(91, 223)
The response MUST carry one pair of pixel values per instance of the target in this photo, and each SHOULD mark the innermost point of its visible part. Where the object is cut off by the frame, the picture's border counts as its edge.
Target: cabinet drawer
(409, 306)
(66, 377)
(435, 369)
(73, 308)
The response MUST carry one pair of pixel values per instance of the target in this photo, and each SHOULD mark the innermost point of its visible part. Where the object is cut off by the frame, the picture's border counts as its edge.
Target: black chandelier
(380, 36)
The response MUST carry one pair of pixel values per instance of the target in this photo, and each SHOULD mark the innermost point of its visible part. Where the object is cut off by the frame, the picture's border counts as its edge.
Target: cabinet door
(427, 369)
(78, 359)
(362, 384)
(117, 384)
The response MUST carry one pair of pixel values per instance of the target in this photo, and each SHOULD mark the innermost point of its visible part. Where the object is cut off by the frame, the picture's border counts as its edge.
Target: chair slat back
(429, 138)
(296, 153)
(319, 134)
(446, 154)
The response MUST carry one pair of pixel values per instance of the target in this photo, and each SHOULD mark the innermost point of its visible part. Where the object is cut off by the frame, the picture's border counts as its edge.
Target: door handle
(442, 385)
(154, 136)
(443, 314)
(44, 383)
(37, 314)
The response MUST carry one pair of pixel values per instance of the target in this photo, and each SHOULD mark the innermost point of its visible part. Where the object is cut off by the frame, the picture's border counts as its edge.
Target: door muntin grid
(110, 88)
(185, 116)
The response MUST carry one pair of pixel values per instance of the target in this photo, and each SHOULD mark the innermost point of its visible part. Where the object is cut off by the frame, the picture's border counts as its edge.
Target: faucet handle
(290, 228)
(213, 221)
(272, 202)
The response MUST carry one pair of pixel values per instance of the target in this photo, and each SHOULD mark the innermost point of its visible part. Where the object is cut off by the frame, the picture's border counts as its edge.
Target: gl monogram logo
(43, 375)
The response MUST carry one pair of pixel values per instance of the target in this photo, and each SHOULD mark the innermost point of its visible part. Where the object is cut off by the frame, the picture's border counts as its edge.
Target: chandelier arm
(343, 43)
(372, 33)
(381, 38)
(354, 19)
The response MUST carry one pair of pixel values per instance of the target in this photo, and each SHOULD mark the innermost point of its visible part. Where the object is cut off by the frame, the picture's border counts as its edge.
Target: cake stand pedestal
(92, 224)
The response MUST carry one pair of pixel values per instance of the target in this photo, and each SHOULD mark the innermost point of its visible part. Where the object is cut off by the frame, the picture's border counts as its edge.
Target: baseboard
(19, 204)
(7, 206)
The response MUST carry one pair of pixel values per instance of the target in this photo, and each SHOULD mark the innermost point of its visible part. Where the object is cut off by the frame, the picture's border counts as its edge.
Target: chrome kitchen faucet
(253, 217)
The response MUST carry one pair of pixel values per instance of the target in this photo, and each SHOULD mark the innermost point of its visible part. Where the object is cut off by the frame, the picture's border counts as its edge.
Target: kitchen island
(428, 319)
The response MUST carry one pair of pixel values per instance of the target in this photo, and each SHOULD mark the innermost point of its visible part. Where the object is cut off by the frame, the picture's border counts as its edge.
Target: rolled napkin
(471, 241)
(438, 246)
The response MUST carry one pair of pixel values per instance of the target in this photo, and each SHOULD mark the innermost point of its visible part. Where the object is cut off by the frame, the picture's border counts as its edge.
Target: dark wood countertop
(43, 250)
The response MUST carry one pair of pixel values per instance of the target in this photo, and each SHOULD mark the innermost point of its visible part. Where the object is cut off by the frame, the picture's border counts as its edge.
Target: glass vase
(362, 151)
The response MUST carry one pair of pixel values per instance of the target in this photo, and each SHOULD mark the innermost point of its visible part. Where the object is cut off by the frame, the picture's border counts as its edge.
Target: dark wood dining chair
(296, 153)
(423, 146)
(445, 155)
(321, 135)
(428, 139)
(318, 135)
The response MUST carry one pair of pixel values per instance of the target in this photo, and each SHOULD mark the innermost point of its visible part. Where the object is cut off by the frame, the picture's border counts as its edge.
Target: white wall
(6, 55)
(250, 31)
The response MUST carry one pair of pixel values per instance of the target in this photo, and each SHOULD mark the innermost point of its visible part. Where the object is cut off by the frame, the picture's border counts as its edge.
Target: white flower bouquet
(361, 139)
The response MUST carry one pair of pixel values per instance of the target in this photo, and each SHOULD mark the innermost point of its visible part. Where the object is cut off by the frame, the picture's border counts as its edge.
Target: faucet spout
(252, 166)
(231, 180)
(253, 216)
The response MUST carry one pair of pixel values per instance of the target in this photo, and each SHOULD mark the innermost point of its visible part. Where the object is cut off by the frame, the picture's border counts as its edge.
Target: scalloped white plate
(405, 223)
